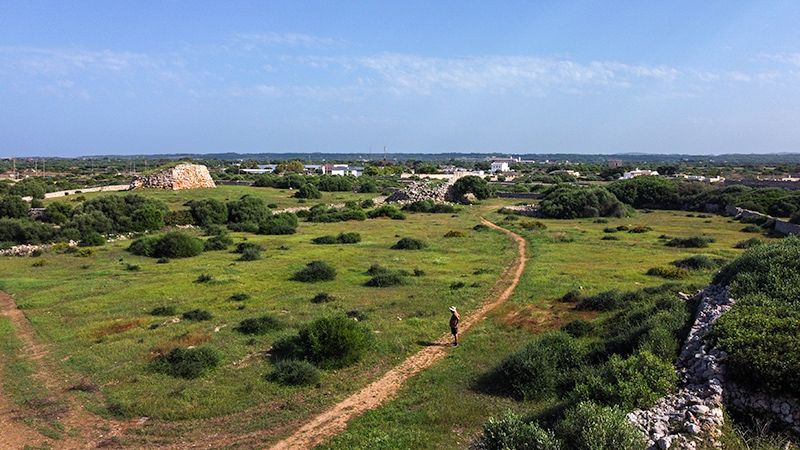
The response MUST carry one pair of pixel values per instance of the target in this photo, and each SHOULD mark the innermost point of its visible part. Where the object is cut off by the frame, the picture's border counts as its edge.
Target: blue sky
(178, 76)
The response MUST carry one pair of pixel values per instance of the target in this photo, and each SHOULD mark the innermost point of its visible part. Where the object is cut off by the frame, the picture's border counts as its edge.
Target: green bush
(323, 297)
(239, 296)
(204, 278)
(385, 279)
(163, 310)
(690, 242)
(608, 300)
(639, 229)
(329, 342)
(456, 285)
(409, 244)
(279, 224)
(86, 252)
(258, 325)
(186, 362)
(144, 246)
(752, 229)
(92, 239)
(325, 240)
(315, 271)
(368, 203)
(174, 245)
(377, 269)
(588, 426)
(610, 230)
(251, 254)
(198, 315)
(219, 242)
(636, 382)
(697, 262)
(389, 211)
(429, 206)
(349, 238)
(308, 191)
(669, 272)
(454, 233)
(747, 243)
(578, 328)
(40, 263)
(512, 433)
(609, 238)
(533, 225)
(573, 202)
(481, 227)
(294, 372)
(535, 371)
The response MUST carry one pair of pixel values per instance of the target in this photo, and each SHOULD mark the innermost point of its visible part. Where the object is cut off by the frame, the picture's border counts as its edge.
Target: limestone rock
(182, 176)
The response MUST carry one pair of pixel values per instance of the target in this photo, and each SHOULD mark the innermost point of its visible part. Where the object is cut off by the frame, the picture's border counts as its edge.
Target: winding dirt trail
(334, 421)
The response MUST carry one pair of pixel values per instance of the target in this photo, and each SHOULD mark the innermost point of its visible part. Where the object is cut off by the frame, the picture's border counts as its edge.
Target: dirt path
(86, 430)
(334, 421)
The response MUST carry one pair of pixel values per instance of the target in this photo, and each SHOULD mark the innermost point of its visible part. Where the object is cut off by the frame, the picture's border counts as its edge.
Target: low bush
(752, 229)
(419, 272)
(368, 203)
(315, 271)
(132, 267)
(533, 225)
(669, 272)
(429, 206)
(279, 224)
(481, 227)
(163, 260)
(578, 328)
(609, 238)
(690, 242)
(697, 262)
(409, 244)
(186, 362)
(349, 238)
(258, 325)
(377, 269)
(198, 315)
(608, 300)
(513, 433)
(92, 239)
(610, 230)
(454, 233)
(623, 228)
(573, 295)
(239, 296)
(204, 278)
(86, 252)
(639, 229)
(591, 426)
(385, 279)
(40, 263)
(251, 254)
(329, 343)
(747, 243)
(323, 297)
(389, 211)
(294, 372)
(456, 285)
(218, 242)
(163, 310)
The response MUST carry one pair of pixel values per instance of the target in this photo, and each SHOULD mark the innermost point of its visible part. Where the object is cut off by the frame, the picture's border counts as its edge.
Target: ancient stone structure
(182, 176)
(771, 222)
(417, 191)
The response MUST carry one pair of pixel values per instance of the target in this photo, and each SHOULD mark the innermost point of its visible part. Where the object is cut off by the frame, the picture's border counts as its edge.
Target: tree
(208, 212)
(472, 184)
(58, 212)
(14, 207)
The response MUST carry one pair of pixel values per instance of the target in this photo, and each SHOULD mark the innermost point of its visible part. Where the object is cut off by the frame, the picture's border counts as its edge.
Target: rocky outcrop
(694, 413)
(182, 176)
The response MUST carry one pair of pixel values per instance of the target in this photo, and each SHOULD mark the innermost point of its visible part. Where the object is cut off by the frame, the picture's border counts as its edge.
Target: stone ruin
(182, 176)
(417, 191)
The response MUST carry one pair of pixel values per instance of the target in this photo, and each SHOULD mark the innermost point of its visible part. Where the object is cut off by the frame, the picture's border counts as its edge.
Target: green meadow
(95, 314)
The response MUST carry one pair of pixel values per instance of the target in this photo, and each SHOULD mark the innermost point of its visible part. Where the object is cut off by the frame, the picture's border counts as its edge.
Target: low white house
(637, 173)
(501, 166)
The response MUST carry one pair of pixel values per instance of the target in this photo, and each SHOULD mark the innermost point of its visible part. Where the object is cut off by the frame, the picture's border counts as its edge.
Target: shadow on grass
(431, 344)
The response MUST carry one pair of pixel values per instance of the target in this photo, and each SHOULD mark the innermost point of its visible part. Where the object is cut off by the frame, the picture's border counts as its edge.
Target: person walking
(454, 320)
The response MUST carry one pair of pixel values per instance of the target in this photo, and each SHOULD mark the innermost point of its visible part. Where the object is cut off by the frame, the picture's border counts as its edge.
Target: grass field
(94, 313)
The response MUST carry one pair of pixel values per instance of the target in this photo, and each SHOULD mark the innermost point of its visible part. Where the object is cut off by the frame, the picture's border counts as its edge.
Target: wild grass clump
(204, 278)
(669, 272)
(323, 297)
(186, 363)
(163, 310)
(533, 225)
(747, 243)
(454, 233)
(40, 263)
(409, 244)
(691, 242)
(610, 230)
(132, 267)
(698, 262)
(258, 325)
(85, 252)
(294, 372)
(329, 343)
(198, 315)
(315, 271)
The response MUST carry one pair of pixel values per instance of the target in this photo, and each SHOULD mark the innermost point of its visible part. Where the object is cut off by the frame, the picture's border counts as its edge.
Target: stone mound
(417, 191)
(182, 176)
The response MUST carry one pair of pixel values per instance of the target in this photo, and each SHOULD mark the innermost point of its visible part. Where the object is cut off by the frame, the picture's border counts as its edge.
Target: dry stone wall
(417, 191)
(182, 176)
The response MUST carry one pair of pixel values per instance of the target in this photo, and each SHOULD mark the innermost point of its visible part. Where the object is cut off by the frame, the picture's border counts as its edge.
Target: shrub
(752, 229)
(349, 238)
(323, 297)
(606, 301)
(481, 227)
(186, 362)
(534, 372)
(609, 238)
(40, 263)
(315, 271)
(368, 203)
(85, 252)
(357, 314)
(454, 233)
(197, 314)
(636, 382)
(389, 211)
(623, 228)
(333, 342)
(132, 267)
(610, 230)
(747, 243)
(163, 260)
(512, 433)
(279, 224)
(163, 310)
(204, 278)
(573, 295)
(377, 269)
(690, 242)
(239, 296)
(573, 202)
(308, 191)
(258, 325)
(219, 242)
(325, 240)
(144, 246)
(669, 272)
(241, 247)
(178, 245)
(178, 218)
(409, 244)
(697, 262)
(384, 280)
(419, 272)
(92, 239)
(456, 285)
(578, 328)
(251, 254)
(533, 225)
(591, 426)
(207, 212)
(639, 229)
(294, 372)
(472, 184)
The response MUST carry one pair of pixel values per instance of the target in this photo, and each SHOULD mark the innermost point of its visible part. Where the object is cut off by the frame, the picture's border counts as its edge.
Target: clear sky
(178, 76)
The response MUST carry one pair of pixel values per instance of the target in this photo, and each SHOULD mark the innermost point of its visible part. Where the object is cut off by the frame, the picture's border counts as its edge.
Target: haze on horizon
(155, 77)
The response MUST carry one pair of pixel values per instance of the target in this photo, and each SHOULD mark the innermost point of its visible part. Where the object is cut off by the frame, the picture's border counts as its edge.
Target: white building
(637, 173)
(498, 165)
